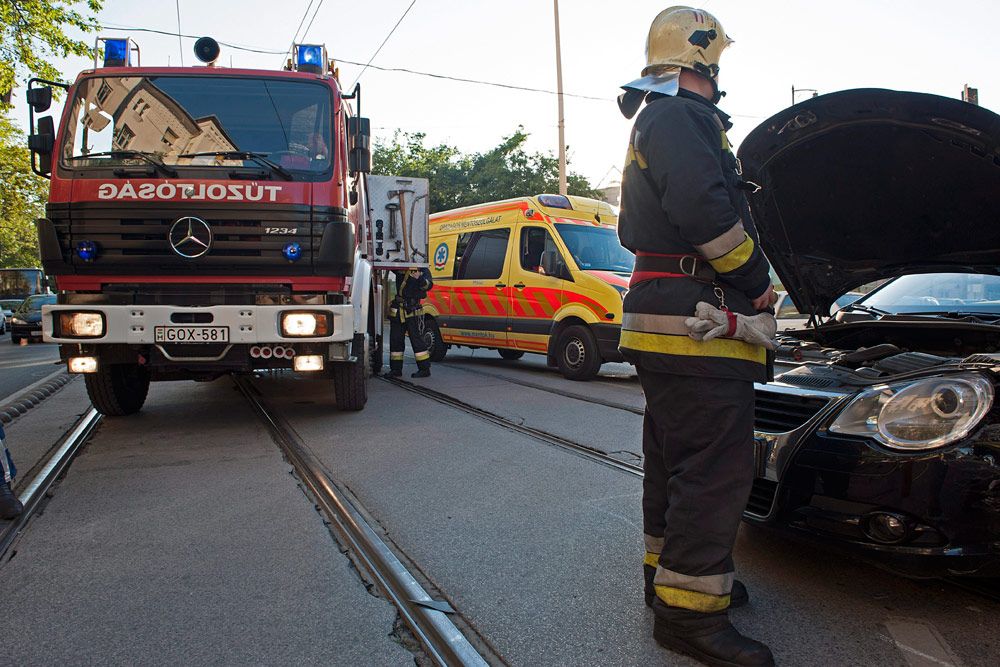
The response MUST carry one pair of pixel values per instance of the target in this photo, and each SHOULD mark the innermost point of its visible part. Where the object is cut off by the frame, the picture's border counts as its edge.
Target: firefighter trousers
(401, 324)
(697, 446)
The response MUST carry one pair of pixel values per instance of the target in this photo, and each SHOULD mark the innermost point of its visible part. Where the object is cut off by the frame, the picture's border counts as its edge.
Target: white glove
(710, 322)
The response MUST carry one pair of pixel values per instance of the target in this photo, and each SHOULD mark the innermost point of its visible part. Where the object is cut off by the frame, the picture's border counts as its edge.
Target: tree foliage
(32, 34)
(462, 179)
(22, 199)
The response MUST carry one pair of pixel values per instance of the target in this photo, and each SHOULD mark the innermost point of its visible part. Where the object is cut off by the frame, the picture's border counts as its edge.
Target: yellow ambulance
(543, 274)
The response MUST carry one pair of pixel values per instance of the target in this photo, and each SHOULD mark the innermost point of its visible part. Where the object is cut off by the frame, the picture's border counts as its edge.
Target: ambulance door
(535, 296)
(479, 290)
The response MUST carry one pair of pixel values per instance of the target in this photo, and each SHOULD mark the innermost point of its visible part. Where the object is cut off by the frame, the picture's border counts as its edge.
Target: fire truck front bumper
(161, 325)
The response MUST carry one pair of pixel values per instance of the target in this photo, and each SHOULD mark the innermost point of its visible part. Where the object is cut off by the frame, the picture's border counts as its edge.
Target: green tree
(32, 34)
(22, 199)
(459, 179)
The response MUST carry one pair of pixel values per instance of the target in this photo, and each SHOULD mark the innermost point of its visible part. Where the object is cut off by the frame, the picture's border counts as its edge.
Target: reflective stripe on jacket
(682, 194)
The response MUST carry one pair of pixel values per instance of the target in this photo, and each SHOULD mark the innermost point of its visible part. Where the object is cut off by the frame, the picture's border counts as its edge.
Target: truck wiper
(148, 157)
(259, 158)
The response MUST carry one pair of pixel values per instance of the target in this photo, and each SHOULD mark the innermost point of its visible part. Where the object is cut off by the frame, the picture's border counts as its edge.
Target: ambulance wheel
(117, 390)
(511, 355)
(576, 353)
(350, 384)
(432, 336)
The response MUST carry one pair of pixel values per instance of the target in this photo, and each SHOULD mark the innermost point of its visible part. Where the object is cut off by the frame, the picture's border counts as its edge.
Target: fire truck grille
(133, 239)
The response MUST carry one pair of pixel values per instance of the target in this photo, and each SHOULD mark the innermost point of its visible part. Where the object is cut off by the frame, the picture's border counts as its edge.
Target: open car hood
(867, 184)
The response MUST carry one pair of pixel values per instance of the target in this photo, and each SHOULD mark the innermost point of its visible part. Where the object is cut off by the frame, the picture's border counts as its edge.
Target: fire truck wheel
(432, 336)
(350, 385)
(117, 390)
(511, 355)
(577, 354)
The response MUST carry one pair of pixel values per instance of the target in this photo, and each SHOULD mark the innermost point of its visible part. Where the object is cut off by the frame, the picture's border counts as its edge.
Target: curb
(33, 395)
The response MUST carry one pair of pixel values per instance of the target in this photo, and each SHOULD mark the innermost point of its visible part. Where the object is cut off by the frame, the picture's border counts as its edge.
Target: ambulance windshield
(199, 121)
(596, 248)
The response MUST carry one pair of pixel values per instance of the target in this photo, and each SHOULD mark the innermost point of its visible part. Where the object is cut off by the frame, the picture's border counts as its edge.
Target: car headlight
(305, 324)
(81, 325)
(17, 320)
(922, 414)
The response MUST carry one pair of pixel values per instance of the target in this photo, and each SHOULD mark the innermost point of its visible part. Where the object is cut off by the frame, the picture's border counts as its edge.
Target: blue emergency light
(86, 250)
(292, 252)
(310, 58)
(116, 53)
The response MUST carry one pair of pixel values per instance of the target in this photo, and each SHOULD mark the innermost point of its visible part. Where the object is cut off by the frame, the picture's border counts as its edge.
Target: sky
(918, 45)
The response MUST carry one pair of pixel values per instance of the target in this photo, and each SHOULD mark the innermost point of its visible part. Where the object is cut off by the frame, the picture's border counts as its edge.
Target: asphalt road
(179, 534)
(22, 365)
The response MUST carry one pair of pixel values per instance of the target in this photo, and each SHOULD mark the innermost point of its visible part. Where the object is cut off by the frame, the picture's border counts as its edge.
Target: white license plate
(191, 334)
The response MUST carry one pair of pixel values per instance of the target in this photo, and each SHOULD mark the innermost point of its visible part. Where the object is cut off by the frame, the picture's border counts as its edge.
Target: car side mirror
(40, 99)
(359, 155)
(41, 143)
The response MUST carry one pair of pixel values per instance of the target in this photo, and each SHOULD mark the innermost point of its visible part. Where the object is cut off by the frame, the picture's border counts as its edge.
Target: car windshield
(199, 121)
(596, 248)
(36, 303)
(19, 283)
(938, 293)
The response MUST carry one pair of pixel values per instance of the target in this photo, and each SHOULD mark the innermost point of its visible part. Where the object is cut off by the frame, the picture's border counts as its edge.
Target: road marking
(48, 362)
(920, 642)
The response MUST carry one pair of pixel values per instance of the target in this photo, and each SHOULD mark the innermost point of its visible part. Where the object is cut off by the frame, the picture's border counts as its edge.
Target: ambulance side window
(535, 243)
(481, 255)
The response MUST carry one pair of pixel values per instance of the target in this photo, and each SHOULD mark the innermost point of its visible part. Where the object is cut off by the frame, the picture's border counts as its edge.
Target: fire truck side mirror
(41, 144)
(40, 98)
(359, 156)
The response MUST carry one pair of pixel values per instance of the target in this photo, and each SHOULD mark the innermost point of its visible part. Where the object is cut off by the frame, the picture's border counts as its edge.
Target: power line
(383, 43)
(315, 13)
(180, 44)
(295, 35)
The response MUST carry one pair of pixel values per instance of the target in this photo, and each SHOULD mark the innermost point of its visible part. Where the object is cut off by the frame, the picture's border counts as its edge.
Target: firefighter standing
(10, 506)
(406, 316)
(699, 281)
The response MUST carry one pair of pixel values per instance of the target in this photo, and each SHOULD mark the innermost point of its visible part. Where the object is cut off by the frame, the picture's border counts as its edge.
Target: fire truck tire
(577, 354)
(350, 386)
(117, 390)
(432, 336)
(511, 355)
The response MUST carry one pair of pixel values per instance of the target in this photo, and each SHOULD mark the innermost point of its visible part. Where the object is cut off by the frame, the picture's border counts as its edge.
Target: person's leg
(420, 353)
(654, 489)
(397, 344)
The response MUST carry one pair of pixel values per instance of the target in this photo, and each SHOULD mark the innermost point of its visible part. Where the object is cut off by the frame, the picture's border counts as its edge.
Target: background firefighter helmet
(679, 37)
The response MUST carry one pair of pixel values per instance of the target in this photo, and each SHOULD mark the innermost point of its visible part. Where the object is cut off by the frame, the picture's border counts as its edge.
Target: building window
(103, 91)
(123, 136)
(170, 137)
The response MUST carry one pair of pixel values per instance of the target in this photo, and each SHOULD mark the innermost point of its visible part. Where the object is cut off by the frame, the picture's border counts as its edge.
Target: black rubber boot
(422, 373)
(710, 638)
(393, 373)
(737, 598)
(10, 506)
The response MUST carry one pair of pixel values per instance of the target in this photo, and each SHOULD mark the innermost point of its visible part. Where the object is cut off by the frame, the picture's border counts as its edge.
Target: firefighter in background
(694, 329)
(406, 317)
(10, 506)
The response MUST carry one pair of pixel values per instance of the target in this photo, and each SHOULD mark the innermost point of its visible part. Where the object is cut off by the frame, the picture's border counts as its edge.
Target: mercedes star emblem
(190, 237)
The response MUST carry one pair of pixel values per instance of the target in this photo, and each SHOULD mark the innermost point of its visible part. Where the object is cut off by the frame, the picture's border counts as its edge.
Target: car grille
(779, 412)
(135, 238)
(761, 497)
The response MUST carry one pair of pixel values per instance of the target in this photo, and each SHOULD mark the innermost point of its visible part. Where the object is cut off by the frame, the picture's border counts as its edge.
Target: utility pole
(563, 188)
(970, 94)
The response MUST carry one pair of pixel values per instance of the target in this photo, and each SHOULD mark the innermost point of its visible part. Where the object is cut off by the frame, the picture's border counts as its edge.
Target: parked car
(880, 433)
(26, 322)
(8, 306)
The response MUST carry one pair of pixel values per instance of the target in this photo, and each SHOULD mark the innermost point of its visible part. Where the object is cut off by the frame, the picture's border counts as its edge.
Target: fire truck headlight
(308, 362)
(305, 324)
(81, 325)
(82, 364)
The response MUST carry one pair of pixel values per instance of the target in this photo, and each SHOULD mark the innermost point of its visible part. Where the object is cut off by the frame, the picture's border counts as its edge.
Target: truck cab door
(535, 296)
(479, 306)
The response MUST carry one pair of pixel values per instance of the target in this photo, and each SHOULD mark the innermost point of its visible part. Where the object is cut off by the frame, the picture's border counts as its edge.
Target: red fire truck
(205, 221)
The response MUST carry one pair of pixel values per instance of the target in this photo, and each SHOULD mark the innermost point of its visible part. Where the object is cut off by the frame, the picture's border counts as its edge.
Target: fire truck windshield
(200, 122)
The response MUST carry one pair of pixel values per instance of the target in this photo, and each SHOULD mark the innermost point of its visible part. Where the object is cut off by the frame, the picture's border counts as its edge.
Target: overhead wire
(315, 13)
(368, 64)
(295, 35)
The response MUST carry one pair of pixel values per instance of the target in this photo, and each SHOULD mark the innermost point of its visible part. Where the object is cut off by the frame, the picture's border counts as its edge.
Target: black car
(880, 432)
(26, 322)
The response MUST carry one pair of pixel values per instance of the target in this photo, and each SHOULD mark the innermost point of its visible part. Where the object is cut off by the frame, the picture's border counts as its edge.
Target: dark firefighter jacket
(410, 290)
(682, 195)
